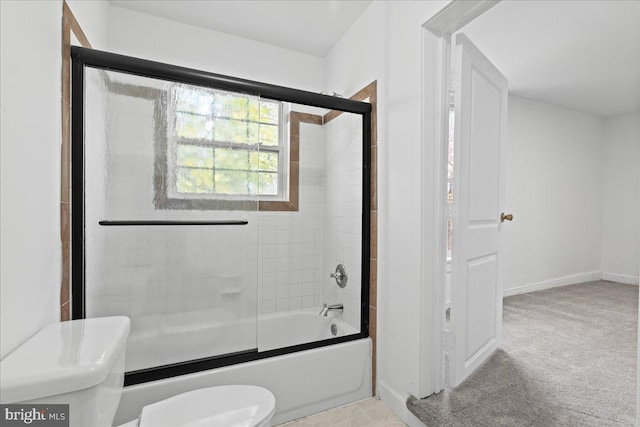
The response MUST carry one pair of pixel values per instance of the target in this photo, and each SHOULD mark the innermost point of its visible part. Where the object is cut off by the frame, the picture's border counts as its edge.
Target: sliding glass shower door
(172, 176)
(228, 219)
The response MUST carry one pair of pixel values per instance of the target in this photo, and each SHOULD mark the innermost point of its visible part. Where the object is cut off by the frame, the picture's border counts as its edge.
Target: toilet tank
(80, 363)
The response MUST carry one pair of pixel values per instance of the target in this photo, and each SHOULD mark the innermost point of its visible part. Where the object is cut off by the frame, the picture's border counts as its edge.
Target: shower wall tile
(295, 303)
(290, 243)
(342, 207)
(308, 301)
(65, 311)
(373, 281)
(283, 304)
(368, 94)
(268, 306)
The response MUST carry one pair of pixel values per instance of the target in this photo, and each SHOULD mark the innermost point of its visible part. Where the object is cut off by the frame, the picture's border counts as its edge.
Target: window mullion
(248, 184)
(213, 169)
(270, 149)
(252, 143)
(218, 144)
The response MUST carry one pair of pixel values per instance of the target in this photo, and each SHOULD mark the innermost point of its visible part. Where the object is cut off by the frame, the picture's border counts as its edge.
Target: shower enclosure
(212, 210)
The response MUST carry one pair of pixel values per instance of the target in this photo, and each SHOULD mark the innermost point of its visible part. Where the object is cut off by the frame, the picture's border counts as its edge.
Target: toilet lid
(224, 406)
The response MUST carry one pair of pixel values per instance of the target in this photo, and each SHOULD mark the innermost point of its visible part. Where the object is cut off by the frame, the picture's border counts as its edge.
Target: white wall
(148, 37)
(621, 198)
(30, 135)
(554, 190)
(92, 17)
(386, 44)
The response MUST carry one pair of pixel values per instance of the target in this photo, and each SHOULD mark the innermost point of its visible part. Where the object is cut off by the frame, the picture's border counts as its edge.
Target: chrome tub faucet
(333, 307)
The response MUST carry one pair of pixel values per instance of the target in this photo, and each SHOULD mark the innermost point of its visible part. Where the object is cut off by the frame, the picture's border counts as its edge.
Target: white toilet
(81, 363)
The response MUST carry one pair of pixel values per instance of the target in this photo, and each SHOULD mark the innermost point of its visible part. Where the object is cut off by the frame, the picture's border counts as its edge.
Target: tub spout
(333, 307)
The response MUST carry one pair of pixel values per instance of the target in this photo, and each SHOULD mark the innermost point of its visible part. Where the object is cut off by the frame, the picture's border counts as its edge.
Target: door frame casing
(436, 53)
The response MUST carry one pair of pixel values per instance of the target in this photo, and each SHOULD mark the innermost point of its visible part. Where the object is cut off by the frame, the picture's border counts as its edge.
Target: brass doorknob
(508, 217)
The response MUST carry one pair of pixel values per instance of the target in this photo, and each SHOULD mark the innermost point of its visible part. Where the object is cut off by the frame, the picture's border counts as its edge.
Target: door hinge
(448, 341)
(454, 85)
(452, 211)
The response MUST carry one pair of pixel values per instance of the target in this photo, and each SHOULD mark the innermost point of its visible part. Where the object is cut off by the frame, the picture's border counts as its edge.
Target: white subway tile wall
(298, 250)
(290, 243)
(342, 212)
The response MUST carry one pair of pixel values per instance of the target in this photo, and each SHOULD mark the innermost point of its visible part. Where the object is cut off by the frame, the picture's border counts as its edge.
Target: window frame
(175, 140)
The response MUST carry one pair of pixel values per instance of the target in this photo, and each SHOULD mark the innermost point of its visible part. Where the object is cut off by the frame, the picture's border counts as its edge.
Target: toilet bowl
(223, 406)
(81, 363)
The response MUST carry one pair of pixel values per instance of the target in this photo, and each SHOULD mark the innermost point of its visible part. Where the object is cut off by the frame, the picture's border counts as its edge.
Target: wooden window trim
(295, 119)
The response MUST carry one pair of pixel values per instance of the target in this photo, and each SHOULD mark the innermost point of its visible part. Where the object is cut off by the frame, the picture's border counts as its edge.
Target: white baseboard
(397, 404)
(554, 283)
(621, 278)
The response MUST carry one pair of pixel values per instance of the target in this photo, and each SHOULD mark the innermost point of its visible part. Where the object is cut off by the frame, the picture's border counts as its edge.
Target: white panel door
(479, 141)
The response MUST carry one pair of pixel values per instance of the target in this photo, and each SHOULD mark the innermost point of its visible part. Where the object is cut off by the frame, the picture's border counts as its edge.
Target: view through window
(226, 144)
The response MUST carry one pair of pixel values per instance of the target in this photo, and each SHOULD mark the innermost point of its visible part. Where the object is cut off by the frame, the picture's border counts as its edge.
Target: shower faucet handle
(340, 275)
(337, 275)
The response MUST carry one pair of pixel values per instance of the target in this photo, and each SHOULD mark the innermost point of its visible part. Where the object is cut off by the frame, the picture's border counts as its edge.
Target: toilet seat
(224, 406)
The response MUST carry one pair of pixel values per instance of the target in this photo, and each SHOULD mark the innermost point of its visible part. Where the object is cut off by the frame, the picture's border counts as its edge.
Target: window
(225, 145)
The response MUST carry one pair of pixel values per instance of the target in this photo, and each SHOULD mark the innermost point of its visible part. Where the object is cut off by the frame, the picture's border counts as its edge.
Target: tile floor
(365, 413)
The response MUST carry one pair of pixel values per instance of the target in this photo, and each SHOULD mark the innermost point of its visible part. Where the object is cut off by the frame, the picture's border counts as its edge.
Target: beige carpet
(568, 359)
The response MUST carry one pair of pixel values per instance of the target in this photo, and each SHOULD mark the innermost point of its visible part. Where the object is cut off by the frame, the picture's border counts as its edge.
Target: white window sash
(282, 149)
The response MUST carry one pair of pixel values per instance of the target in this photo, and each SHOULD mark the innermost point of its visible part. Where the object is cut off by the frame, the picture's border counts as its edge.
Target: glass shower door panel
(301, 246)
(169, 242)
(342, 214)
(188, 294)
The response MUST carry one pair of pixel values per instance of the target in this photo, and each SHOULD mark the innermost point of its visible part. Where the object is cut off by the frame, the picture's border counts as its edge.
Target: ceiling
(307, 26)
(583, 55)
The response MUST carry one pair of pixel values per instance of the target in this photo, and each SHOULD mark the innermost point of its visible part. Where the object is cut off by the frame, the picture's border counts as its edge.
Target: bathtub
(303, 383)
(285, 329)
